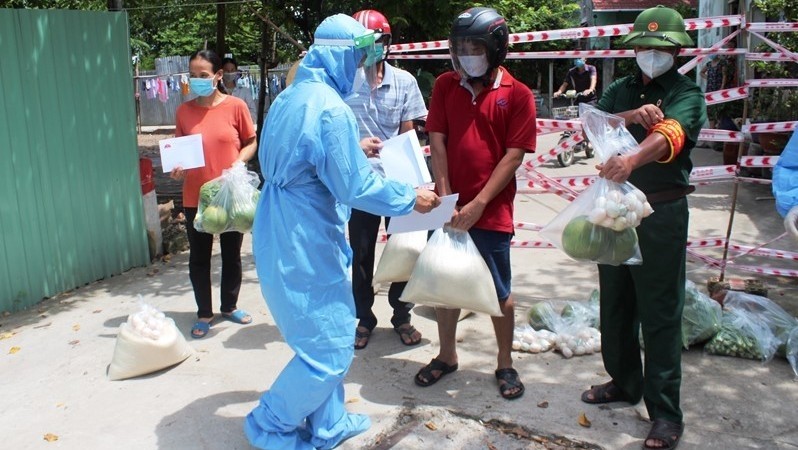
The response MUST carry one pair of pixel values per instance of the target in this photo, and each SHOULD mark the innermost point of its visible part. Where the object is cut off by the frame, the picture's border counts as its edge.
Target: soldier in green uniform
(664, 111)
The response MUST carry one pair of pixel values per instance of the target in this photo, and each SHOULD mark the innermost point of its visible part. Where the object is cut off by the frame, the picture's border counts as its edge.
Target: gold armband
(674, 134)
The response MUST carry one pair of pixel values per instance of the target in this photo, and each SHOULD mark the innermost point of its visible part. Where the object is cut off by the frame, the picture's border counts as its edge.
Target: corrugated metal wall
(70, 199)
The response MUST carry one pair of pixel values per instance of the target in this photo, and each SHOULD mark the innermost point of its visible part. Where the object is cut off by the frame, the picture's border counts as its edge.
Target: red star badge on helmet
(653, 26)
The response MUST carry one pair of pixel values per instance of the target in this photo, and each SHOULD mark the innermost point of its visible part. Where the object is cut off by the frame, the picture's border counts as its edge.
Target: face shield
(469, 57)
(373, 51)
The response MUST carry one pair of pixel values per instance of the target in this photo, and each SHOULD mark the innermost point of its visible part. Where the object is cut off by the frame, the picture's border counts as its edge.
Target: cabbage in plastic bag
(701, 317)
(228, 203)
(599, 224)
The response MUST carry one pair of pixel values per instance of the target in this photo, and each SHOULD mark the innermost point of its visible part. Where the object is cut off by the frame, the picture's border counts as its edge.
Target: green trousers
(648, 297)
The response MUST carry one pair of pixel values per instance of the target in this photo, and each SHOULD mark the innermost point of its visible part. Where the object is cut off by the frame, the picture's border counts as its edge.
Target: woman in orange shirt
(228, 138)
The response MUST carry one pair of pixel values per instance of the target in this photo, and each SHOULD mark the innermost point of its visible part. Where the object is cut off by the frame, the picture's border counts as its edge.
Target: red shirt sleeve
(522, 131)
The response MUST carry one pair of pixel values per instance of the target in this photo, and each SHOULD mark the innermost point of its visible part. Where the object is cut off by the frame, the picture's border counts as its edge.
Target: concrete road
(53, 360)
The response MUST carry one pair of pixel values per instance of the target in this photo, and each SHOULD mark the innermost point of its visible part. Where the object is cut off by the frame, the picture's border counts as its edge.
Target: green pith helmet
(658, 27)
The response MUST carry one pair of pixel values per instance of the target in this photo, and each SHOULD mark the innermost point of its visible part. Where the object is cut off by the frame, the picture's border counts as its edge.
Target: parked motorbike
(566, 158)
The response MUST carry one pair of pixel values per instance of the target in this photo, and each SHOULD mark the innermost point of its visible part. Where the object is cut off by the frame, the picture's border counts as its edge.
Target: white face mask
(654, 63)
(474, 66)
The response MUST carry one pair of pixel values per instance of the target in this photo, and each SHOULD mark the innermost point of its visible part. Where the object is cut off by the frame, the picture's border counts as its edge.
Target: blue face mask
(579, 63)
(201, 86)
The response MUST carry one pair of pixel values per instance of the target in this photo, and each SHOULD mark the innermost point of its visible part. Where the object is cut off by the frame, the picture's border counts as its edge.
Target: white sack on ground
(399, 257)
(450, 273)
(146, 343)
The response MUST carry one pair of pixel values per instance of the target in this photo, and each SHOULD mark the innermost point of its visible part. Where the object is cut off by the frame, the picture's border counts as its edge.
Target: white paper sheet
(184, 151)
(403, 160)
(416, 221)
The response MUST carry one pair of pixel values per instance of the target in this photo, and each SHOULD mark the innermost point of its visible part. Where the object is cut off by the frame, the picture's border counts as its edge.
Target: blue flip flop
(200, 329)
(238, 316)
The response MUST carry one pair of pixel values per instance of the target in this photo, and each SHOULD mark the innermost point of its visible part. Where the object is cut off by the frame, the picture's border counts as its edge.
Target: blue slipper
(238, 316)
(200, 329)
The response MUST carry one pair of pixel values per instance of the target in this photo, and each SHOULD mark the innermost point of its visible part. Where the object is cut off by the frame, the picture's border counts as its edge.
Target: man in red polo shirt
(481, 122)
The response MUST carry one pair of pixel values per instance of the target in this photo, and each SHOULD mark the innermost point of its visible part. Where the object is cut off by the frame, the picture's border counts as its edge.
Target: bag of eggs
(147, 342)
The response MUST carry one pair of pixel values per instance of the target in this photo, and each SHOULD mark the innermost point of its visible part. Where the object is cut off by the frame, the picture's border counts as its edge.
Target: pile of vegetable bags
(228, 203)
(599, 225)
(572, 332)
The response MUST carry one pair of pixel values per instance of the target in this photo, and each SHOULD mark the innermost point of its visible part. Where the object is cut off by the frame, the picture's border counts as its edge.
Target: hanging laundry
(163, 92)
(184, 89)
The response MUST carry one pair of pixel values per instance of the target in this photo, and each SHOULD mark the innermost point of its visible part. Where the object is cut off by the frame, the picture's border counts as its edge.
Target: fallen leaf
(431, 426)
(14, 350)
(353, 400)
(59, 405)
(50, 437)
(76, 327)
(491, 446)
(7, 335)
(583, 420)
(167, 258)
(75, 342)
(543, 404)
(96, 311)
(45, 325)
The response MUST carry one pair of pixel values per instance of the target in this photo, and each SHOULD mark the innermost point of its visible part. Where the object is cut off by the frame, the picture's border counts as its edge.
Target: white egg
(600, 202)
(612, 209)
(631, 219)
(647, 209)
(579, 350)
(524, 347)
(619, 224)
(534, 348)
(607, 222)
(567, 353)
(516, 345)
(597, 215)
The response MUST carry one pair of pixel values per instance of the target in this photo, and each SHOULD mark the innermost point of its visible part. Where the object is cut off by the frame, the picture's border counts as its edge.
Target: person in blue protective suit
(785, 185)
(314, 172)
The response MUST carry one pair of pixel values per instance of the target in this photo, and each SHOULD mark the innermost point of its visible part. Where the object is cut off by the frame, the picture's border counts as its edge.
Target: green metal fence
(70, 198)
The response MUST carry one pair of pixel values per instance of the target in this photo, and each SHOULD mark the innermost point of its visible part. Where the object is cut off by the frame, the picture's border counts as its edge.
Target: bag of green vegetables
(743, 335)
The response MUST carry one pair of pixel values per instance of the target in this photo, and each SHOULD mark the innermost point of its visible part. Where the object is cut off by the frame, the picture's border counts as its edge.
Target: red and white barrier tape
(777, 47)
(758, 161)
(767, 270)
(710, 172)
(711, 134)
(769, 127)
(556, 124)
(575, 33)
(706, 242)
(772, 26)
(528, 226)
(772, 82)
(531, 244)
(718, 45)
(767, 252)
(767, 56)
(726, 95)
(561, 146)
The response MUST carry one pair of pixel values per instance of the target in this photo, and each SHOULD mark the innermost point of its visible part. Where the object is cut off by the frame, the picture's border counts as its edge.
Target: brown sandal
(425, 377)
(665, 431)
(360, 335)
(608, 392)
(405, 332)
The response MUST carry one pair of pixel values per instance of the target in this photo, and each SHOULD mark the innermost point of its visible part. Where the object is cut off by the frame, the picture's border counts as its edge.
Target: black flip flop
(362, 335)
(511, 380)
(426, 372)
(666, 431)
